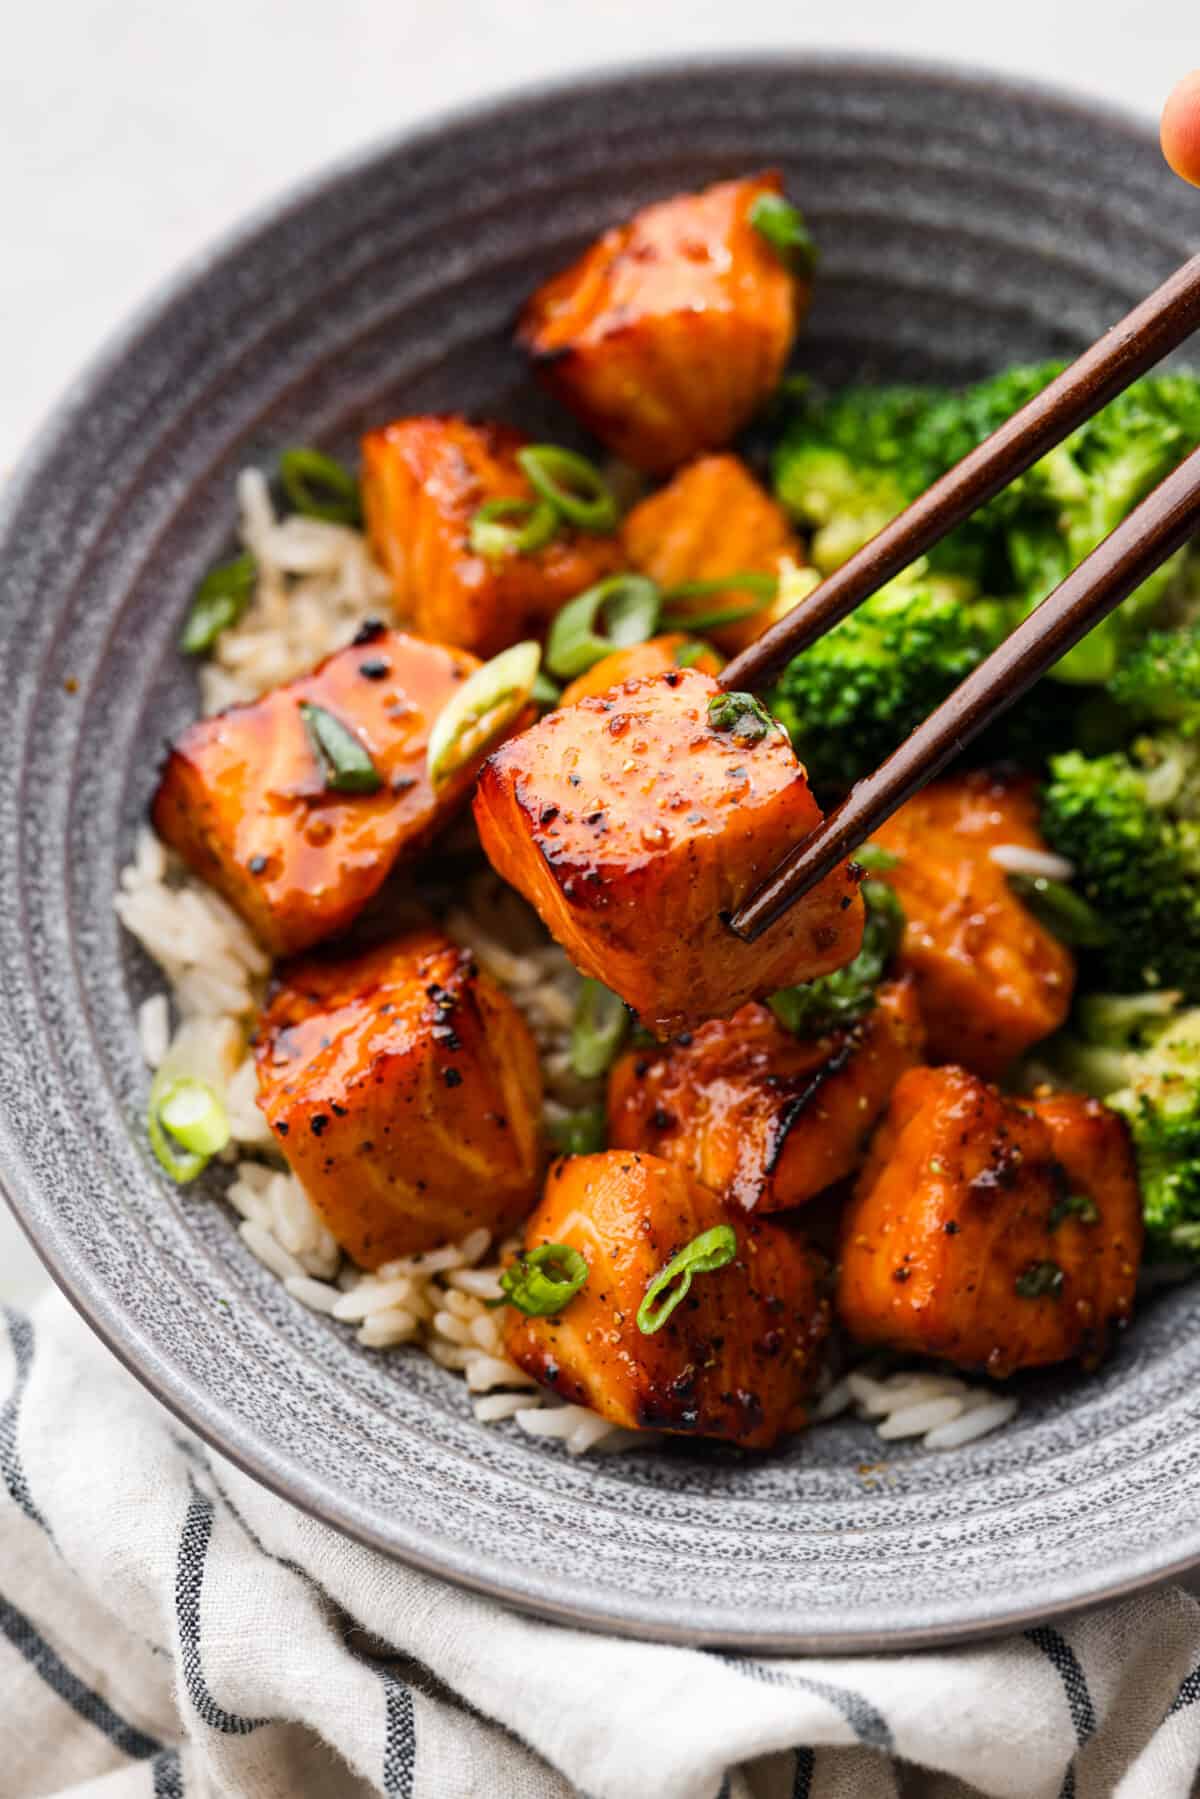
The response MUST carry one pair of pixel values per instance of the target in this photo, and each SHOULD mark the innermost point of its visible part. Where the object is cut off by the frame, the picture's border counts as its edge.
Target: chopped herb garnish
(626, 606)
(677, 617)
(346, 765)
(783, 226)
(706, 1253)
(744, 717)
(319, 487)
(1041, 1280)
(1073, 1205)
(875, 859)
(540, 1282)
(513, 527)
(1065, 913)
(580, 1133)
(597, 1031)
(484, 707)
(571, 484)
(219, 602)
(187, 1124)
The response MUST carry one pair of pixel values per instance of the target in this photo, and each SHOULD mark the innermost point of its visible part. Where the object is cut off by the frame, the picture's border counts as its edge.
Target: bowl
(964, 223)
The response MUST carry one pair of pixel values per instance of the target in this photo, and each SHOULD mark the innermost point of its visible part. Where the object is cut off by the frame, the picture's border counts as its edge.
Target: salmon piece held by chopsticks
(636, 822)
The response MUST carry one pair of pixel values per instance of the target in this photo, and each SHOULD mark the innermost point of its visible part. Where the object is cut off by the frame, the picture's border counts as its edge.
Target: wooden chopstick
(1162, 524)
(1147, 334)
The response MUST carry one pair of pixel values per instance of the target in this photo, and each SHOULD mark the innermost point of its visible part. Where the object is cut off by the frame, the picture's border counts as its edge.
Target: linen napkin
(169, 1628)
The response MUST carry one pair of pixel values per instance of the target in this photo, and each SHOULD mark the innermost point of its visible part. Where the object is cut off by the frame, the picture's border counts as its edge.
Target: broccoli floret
(848, 993)
(1128, 821)
(1154, 1048)
(1159, 682)
(849, 463)
(859, 690)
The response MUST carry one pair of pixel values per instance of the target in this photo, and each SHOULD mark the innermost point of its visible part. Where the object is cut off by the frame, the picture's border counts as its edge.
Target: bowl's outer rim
(156, 1370)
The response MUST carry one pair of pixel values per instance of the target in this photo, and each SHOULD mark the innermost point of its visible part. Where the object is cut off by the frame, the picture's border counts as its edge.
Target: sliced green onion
(545, 692)
(875, 859)
(186, 1123)
(1041, 1280)
(704, 1255)
(543, 1280)
(219, 602)
(319, 487)
(580, 1133)
(346, 765)
(573, 485)
(688, 654)
(783, 226)
(741, 715)
(597, 1031)
(484, 706)
(628, 607)
(1065, 913)
(490, 537)
(764, 587)
(1073, 1205)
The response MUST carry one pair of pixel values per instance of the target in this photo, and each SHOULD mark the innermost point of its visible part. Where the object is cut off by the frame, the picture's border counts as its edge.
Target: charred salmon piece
(404, 1089)
(712, 519)
(654, 657)
(424, 479)
(765, 1119)
(670, 330)
(989, 1233)
(244, 796)
(738, 1356)
(634, 824)
(991, 980)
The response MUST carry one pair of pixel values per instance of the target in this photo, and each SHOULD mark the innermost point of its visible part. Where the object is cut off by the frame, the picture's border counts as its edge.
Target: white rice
(316, 584)
(1019, 859)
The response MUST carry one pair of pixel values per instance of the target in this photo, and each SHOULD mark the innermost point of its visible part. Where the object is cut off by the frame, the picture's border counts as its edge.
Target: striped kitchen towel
(168, 1628)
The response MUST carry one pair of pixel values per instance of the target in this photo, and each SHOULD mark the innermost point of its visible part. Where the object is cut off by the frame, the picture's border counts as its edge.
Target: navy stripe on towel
(189, 1583)
(20, 1332)
(868, 1724)
(806, 1765)
(70, 1689)
(1189, 1692)
(400, 1744)
(168, 1775)
(1063, 1659)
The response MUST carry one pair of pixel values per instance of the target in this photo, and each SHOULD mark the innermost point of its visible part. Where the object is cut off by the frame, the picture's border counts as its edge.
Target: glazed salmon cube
(244, 797)
(654, 657)
(404, 1089)
(991, 980)
(713, 519)
(765, 1119)
(995, 1234)
(635, 824)
(739, 1355)
(424, 479)
(670, 330)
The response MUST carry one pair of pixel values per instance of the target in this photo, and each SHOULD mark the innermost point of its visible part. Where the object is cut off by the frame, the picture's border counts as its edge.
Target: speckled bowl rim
(240, 1443)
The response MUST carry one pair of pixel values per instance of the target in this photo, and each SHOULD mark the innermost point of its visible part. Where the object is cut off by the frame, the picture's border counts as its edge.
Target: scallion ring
(484, 706)
(783, 226)
(319, 487)
(875, 859)
(675, 617)
(1064, 913)
(597, 1030)
(532, 525)
(345, 763)
(219, 602)
(572, 485)
(186, 1123)
(744, 717)
(545, 692)
(543, 1280)
(627, 606)
(695, 650)
(706, 1253)
(580, 1133)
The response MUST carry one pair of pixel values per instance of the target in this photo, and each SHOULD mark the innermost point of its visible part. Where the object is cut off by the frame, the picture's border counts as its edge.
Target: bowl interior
(963, 224)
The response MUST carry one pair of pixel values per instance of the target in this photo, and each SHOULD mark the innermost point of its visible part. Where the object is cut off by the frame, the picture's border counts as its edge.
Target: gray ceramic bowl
(964, 224)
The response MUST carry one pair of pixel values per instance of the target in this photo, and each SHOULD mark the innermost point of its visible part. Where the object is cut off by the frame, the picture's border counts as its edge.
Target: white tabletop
(132, 133)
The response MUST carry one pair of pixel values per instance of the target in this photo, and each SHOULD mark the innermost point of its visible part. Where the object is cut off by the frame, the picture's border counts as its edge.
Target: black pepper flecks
(318, 1122)
(452, 1077)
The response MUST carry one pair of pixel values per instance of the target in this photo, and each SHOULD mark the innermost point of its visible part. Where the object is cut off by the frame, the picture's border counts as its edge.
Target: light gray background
(132, 132)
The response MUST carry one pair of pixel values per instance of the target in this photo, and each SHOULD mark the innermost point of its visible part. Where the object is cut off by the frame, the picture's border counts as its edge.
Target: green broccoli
(848, 994)
(858, 691)
(1142, 1054)
(1159, 682)
(1129, 823)
(847, 464)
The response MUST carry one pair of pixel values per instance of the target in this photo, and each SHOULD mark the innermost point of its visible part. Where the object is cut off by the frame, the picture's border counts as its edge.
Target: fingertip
(1180, 130)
